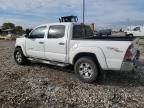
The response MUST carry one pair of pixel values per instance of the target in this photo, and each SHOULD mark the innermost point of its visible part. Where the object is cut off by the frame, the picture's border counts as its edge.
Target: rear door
(35, 42)
(56, 43)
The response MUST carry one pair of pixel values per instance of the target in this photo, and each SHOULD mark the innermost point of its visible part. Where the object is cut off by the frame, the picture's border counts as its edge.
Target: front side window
(38, 32)
(56, 31)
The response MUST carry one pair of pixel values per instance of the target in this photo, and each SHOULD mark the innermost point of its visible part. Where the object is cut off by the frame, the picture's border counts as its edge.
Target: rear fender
(94, 50)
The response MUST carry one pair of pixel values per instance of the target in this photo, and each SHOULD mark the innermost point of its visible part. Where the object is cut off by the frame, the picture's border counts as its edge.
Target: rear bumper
(128, 66)
(131, 65)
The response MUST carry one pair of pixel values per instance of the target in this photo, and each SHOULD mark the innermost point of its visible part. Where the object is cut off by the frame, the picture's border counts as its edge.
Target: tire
(130, 35)
(19, 57)
(86, 69)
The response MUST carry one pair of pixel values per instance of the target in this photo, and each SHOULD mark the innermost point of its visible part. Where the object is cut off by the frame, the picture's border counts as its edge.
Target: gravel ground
(45, 86)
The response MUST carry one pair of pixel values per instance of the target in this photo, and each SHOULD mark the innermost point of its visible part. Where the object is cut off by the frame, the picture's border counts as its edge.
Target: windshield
(136, 29)
(82, 31)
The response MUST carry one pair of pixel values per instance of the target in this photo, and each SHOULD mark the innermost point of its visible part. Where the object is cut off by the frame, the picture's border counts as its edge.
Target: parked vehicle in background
(65, 44)
(137, 31)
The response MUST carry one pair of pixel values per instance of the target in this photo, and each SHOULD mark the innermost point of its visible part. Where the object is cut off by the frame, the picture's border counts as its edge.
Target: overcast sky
(30, 13)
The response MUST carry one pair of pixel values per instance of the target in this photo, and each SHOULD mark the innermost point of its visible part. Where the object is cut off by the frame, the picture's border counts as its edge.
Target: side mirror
(27, 32)
(26, 35)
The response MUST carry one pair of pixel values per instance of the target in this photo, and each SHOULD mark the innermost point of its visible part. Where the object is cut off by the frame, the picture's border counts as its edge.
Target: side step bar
(49, 62)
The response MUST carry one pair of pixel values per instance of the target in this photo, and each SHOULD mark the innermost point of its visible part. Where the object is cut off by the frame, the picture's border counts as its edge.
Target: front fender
(20, 42)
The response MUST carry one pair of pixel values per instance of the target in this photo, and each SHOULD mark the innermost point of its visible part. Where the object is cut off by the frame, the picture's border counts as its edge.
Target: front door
(55, 44)
(35, 43)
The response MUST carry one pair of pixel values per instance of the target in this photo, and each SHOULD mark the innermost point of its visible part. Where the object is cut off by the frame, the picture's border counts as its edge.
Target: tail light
(129, 54)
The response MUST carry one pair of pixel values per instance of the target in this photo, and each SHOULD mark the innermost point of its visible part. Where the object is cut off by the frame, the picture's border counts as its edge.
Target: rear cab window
(81, 31)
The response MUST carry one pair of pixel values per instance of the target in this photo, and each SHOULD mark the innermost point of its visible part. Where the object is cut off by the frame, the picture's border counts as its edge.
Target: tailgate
(135, 49)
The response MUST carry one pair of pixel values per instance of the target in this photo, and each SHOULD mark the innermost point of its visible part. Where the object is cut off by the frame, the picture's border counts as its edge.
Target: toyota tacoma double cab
(64, 44)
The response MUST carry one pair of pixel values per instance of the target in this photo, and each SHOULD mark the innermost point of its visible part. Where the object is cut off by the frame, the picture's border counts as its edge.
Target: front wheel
(19, 57)
(86, 69)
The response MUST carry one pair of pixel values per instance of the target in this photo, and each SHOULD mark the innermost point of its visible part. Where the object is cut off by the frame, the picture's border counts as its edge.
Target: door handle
(41, 42)
(31, 48)
(61, 43)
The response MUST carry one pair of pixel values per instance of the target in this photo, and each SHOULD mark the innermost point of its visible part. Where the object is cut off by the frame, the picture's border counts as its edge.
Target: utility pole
(83, 11)
(128, 21)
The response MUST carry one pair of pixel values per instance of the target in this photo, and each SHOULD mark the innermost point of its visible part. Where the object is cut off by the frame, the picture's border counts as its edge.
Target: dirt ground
(44, 86)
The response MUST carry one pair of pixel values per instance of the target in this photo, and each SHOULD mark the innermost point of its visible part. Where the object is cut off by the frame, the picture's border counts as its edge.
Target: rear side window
(38, 32)
(56, 31)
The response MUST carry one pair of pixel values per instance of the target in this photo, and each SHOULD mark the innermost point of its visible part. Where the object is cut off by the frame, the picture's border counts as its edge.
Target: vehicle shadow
(126, 79)
(122, 79)
(68, 69)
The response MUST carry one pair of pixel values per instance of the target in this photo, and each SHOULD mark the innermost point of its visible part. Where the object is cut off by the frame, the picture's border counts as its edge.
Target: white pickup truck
(73, 44)
(136, 31)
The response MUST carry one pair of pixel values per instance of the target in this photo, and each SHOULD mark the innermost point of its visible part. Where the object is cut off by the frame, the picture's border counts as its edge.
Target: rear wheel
(19, 57)
(86, 69)
(130, 35)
